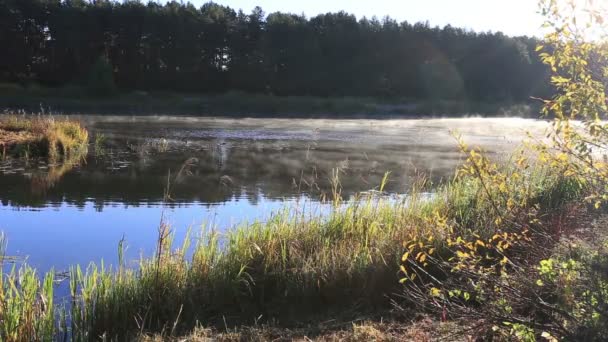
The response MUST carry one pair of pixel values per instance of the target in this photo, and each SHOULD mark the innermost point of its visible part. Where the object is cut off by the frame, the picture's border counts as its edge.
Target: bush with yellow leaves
(506, 266)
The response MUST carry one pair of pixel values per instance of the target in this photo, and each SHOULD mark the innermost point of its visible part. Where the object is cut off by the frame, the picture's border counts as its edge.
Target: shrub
(100, 80)
(521, 282)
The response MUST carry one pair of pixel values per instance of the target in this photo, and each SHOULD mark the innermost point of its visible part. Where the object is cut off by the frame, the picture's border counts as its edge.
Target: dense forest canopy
(214, 48)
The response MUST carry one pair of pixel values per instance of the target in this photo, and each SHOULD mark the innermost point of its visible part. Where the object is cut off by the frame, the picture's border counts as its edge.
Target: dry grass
(41, 136)
(422, 330)
(9, 138)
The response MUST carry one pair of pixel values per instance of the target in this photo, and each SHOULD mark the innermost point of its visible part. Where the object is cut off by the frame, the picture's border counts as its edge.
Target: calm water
(221, 172)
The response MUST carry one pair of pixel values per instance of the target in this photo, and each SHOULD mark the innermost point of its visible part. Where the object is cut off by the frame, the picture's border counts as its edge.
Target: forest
(309, 228)
(110, 46)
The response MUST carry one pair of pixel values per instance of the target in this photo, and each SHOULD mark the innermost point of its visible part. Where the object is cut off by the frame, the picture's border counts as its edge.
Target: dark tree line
(177, 46)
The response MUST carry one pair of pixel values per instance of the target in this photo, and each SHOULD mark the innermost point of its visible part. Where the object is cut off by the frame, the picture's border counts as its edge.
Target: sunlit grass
(27, 311)
(34, 136)
(290, 268)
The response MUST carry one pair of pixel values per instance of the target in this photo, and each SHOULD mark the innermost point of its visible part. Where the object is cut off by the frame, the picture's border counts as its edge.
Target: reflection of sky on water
(243, 171)
(65, 235)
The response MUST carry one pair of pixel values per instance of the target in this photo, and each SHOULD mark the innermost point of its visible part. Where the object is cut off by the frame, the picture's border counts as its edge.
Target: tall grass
(290, 268)
(42, 136)
(27, 311)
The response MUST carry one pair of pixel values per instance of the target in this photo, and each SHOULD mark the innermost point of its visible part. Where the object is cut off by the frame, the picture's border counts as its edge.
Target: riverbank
(294, 268)
(583, 248)
(370, 258)
(76, 100)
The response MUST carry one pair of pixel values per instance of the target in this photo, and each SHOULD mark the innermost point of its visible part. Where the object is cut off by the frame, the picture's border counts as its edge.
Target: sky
(513, 17)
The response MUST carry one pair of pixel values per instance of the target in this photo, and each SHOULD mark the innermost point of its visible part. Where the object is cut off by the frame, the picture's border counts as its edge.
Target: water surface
(219, 172)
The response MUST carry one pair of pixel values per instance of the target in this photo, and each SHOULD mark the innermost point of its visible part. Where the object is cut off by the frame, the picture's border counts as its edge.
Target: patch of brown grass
(9, 138)
(422, 330)
(41, 136)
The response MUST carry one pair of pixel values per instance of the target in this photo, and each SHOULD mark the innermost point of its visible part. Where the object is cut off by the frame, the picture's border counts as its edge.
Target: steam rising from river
(236, 170)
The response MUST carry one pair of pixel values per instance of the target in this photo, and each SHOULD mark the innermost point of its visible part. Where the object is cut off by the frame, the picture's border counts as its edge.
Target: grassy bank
(291, 269)
(74, 99)
(41, 136)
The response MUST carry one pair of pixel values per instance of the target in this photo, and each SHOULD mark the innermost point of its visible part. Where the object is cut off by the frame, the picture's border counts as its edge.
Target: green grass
(42, 136)
(27, 311)
(289, 269)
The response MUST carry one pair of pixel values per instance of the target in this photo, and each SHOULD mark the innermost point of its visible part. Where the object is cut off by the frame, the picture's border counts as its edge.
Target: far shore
(75, 100)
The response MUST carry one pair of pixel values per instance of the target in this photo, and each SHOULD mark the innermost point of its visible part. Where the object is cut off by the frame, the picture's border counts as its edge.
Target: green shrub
(100, 80)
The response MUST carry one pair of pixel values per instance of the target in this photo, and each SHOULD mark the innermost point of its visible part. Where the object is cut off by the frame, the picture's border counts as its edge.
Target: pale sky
(513, 17)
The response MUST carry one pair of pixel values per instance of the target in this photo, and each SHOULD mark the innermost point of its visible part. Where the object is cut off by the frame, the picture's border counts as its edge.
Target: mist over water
(221, 172)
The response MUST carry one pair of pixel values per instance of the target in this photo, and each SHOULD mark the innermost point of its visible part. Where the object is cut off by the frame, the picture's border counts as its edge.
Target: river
(218, 172)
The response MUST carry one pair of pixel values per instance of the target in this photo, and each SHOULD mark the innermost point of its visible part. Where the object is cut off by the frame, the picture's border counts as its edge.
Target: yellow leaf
(559, 79)
(462, 255)
(504, 261)
(405, 256)
(423, 257)
(548, 337)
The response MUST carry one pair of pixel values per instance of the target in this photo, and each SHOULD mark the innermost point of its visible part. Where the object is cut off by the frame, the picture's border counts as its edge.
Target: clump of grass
(42, 136)
(100, 140)
(27, 312)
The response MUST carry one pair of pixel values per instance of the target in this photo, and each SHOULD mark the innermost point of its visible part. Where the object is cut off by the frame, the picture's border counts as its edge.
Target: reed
(27, 311)
(293, 267)
(42, 136)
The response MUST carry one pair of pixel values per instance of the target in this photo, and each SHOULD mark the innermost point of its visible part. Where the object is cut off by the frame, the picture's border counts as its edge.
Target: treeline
(214, 48)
